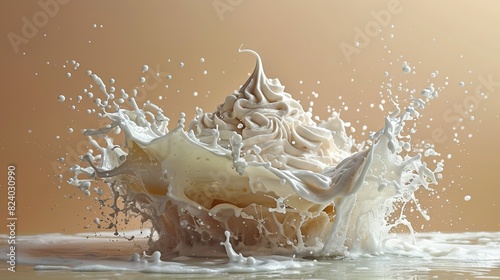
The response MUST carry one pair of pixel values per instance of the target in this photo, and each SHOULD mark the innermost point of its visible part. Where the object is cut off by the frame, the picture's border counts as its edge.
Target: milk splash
(258, 171)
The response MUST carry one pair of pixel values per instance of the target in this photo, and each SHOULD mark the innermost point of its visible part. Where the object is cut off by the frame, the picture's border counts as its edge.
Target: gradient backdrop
(306, 41)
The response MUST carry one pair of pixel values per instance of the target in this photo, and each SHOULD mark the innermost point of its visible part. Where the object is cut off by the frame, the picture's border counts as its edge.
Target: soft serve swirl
(273, 125)
(259, 168)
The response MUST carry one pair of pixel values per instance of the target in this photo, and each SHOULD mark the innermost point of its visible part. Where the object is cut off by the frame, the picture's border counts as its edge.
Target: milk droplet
(155, 257)
(461, 84)
(61, 98)
(135, 257)
(181, 64)
(202, 59)
(145, 68)
(406, 68)
(70, 130)
(142, 80)
(68, 74)
(467, 197)
(183, 223)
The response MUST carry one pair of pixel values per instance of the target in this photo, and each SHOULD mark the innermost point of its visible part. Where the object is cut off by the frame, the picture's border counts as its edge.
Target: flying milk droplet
(406, 68)
(61, 98)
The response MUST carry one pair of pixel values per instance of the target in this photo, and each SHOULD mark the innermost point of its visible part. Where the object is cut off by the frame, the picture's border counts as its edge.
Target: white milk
(258, 175)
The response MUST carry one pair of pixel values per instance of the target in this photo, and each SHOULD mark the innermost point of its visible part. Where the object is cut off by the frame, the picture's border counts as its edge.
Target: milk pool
(468, 255)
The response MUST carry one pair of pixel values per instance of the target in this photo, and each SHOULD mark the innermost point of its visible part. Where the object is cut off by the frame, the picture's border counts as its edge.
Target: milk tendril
(259, 168)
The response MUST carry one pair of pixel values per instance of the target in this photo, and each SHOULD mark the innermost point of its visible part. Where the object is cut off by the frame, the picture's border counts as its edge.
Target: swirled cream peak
(258, 169)
(274, 126)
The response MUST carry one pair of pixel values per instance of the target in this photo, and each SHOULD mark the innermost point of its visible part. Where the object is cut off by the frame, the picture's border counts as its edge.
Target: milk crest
(258, 173)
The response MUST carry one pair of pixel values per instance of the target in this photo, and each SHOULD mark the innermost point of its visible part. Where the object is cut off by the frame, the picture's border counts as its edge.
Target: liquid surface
(472, 255)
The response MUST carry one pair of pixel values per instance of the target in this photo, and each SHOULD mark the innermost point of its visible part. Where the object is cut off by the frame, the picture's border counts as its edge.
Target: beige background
(298, 41)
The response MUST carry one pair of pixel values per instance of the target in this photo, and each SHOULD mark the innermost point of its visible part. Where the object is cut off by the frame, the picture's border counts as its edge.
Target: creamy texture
(258, 169)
